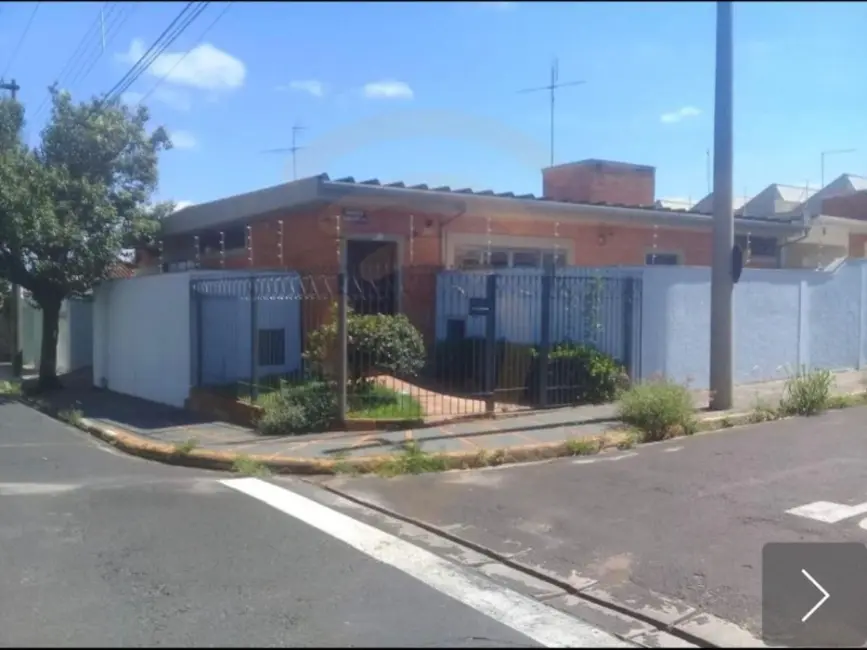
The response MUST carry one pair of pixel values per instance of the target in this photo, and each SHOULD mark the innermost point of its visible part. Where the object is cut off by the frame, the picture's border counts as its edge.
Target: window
(662, 259)
(272, 347)
(476, 257)
(759, 246)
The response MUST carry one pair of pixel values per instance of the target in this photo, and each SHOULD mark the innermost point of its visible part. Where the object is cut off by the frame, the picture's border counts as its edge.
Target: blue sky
(427, 92)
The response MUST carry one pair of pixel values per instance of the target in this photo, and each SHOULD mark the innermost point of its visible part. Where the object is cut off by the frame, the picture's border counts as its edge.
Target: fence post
(628, 298)
(343, 347)
(545, 345)
(254, 342)
(200, 346)
(491, 342)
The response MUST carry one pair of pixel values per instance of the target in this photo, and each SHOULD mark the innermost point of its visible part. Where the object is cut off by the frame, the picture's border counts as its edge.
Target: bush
(376, 343)
(299, 408)
(807, 392)
(579, 374)
(658, 409)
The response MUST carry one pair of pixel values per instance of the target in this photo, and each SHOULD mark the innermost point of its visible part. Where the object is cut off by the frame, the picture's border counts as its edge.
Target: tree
(70, 204)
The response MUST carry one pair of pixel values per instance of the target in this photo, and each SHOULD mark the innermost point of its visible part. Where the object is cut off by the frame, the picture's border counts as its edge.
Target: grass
(377, 402)
(250, 467)
(658, 409)
(183, 448)
(70, 416)
(807, 392)
(10, 388)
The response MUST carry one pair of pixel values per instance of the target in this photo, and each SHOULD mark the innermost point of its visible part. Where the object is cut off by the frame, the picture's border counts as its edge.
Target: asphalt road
(101, 549)
(685, 519)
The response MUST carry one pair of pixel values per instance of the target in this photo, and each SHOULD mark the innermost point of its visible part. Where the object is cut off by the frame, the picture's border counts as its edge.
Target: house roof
(343, 191)
(843, 185)
(705, 206)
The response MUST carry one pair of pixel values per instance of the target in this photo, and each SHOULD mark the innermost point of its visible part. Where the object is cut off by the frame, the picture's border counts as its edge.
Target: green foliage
(581, 374)
(69, 205)
(807, 392)
(577, 373)
(376, 343)
(299, 408)
(659, 409)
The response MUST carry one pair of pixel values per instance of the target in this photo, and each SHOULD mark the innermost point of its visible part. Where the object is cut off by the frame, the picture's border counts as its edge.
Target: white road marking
(604, 459)
(32, 489)
(828, 512)
(545, 625)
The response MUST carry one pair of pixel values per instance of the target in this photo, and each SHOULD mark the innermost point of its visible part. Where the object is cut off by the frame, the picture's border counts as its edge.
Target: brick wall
(853, 206)
(600, 181)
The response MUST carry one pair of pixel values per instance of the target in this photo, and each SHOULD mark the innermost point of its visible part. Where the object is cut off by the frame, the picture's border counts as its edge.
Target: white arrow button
(825, 596)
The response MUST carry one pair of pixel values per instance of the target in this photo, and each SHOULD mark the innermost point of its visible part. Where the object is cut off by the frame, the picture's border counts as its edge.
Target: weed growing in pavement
(250, 467)
(583, 447)
(807, 392)
(846, 401)
(763, 412)
(70, 416)
(187, 446)
(10, 388)
(412, 460)
(658, 408)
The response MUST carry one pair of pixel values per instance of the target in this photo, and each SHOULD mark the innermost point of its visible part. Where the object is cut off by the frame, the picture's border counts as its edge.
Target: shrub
(659, 409)
(579, 374)
(376, 343)
(299, 408)
(807, 392)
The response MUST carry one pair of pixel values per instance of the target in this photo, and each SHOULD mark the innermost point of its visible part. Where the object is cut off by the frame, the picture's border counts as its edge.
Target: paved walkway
(175, 426)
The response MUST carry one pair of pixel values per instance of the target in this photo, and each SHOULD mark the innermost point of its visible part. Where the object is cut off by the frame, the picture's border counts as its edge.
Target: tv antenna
(293, 149)
(552, 88)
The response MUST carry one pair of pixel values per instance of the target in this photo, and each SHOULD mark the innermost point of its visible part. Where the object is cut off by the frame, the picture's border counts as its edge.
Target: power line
(160, 45)
(21, 40)
(76, 55)
(181, 59)
(552, 88)
(106, 38)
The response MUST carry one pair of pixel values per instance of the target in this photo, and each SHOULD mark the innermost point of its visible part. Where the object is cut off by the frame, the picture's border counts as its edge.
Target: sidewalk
(167, 425)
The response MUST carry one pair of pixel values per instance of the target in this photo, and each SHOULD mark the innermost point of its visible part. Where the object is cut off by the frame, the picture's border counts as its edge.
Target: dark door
(371, 268)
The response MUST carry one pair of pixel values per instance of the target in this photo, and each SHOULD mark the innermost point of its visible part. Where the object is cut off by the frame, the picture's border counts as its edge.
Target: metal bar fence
(417, 344)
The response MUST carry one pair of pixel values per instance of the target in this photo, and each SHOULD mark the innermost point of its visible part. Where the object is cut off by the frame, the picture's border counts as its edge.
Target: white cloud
(309, 86)
(180, 205)
(680, 114)
(183, 140)
(205, 67)
(388, 90)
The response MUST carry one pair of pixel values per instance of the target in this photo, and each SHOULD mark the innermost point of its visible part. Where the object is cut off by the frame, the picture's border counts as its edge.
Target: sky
(428, 92)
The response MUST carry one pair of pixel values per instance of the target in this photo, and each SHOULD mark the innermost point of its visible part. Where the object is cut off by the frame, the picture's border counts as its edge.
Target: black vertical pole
(343, 348)
(628, 321)
(254, 342)
(545, 345)
(491, 343)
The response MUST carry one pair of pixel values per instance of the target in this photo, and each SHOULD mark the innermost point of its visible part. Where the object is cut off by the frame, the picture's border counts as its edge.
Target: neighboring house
(591, 213)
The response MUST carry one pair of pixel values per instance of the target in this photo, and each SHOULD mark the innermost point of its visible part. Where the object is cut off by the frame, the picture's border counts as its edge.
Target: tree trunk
(48, 357)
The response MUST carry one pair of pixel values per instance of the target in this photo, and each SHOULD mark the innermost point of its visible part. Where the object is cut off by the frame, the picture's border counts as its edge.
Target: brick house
(591, 213)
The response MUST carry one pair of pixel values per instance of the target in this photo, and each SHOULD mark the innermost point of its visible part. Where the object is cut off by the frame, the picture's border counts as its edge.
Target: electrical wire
(21, 40)
(181, 60)
(111, 32)
(77, 53)
(164, 40)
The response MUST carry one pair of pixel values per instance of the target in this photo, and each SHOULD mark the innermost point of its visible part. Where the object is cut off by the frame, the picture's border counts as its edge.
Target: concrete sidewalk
(168, 425)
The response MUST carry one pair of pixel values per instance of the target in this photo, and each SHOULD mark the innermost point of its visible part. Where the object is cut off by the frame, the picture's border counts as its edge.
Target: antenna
(293, 149)
(552, 88)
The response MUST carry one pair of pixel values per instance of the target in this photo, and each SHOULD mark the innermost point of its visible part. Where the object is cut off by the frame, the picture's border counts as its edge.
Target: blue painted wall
(226, 332)
(783, 319)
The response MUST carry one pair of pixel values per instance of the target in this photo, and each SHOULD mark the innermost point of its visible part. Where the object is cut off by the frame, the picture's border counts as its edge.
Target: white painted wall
(141, 337)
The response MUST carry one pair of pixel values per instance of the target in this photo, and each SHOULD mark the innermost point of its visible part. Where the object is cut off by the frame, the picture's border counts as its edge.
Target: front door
(371, 268)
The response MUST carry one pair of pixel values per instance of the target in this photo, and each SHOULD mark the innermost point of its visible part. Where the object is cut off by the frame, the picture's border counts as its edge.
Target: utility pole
(830, 152)
(14, 298)
(552, 88)
(722, 282)
(293, 149)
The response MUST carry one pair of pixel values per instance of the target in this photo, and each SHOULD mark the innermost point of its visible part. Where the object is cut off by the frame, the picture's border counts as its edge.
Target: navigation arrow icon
(825, 596)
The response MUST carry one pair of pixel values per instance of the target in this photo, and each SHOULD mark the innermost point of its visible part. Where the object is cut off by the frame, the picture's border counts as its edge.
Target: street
(670, 528)
(102, 549)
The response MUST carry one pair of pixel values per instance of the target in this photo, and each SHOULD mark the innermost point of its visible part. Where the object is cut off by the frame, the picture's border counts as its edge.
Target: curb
(170, 454)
